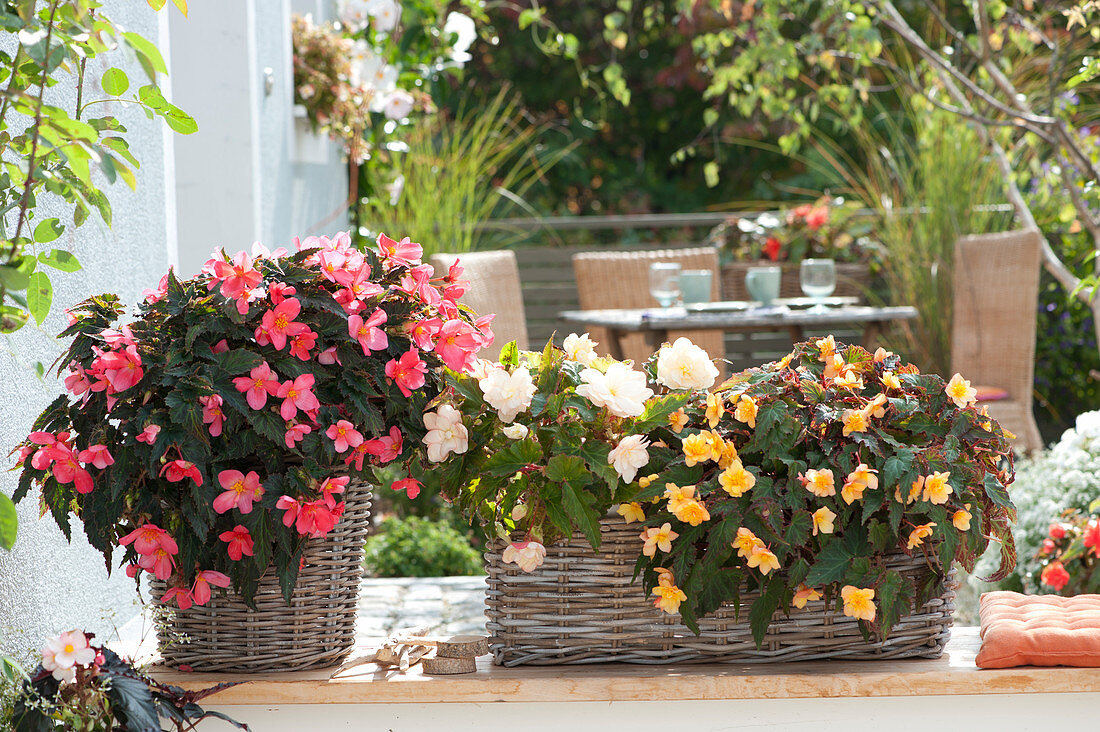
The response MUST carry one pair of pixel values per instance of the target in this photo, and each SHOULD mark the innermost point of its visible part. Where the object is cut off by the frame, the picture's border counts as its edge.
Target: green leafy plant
(472, 168)
(213, 436)
(1070, 555)
(9, 522)
(58, 150)
(529, 447)
(826, 228)
(419, 547)
(83, 686)
(795, 479)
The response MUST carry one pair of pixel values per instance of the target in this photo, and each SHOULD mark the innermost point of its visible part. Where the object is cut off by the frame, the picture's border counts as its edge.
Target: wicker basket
(581, 607)
(317, 629)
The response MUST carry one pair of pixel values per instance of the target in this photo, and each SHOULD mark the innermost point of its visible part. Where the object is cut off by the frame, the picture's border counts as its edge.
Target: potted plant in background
(223, 438)
(825, 229)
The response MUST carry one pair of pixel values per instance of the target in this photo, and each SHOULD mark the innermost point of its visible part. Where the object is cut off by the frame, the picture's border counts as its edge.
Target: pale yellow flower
(729, 455)
(658, 538)
(675, 495)
(823, 521)
(820, 482)
(881, 354)
(827, 345)
(937, 489)
(697, 449)
(664, 577)
(875, 407)
(918, 535)
(961, 518)
(631, 512)
(803, 595)
(746, 410)
(858, 603)
(645, 481)
(745, 542)
(668, 598)
(891, 381)
(763, 558)
(692, 512)
(961, 392)
(735, 480)
(678, 420)
(715, 410)
(855, 420)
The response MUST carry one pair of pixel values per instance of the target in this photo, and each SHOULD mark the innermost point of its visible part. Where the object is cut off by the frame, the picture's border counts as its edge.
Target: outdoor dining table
(737, 316)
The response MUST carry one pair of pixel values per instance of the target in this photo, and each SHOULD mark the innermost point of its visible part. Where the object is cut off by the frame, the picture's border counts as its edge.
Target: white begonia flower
(353, 14)
(61, 655)
(466, 31)
(629, 456)
(364, 62)
(528, 555)
(580, 348)
(622, 390)
(509, 394)
(684, 365)
(398, 104)
(446, 433)
(515, 431)
(480, 367)
(384, 14)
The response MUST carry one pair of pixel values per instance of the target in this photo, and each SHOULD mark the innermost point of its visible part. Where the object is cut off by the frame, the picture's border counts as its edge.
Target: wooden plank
(951, 675)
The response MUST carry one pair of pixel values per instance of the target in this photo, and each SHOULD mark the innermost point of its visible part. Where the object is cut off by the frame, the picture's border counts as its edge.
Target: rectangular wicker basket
(581, 607)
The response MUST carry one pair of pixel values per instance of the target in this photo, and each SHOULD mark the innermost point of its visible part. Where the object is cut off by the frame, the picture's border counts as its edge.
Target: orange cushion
(990, 393)
(1039, 630)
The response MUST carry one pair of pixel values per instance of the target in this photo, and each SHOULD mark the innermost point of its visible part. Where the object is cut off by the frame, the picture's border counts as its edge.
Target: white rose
(398, 104)
(446, 433)
(629, 456)
(509, 394)
(515, 431)
(465, 30)
(384, 14)
(622, 391)
(528, 555)
(580, 348)
(684, 365)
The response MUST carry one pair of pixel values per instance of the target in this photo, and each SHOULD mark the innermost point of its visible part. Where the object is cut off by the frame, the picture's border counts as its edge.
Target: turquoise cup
(695, 285)
(763, 284)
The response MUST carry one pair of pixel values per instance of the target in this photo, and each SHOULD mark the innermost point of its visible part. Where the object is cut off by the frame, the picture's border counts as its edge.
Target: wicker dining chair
(996, 292)
(608, 280)
(494, 288)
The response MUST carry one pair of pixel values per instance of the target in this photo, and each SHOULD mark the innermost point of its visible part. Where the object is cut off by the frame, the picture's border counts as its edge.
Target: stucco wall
(237, 178)
(47, 585)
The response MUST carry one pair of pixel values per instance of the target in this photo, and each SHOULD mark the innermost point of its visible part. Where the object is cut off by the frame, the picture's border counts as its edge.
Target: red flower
(1055, 575)
(817, 217)
(239, 540)
(1092, 536)
(411, 486)
(772, 248)
(1057, 531)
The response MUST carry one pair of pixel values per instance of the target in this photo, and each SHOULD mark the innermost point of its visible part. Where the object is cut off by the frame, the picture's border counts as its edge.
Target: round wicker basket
(316, 629)
(581, 606)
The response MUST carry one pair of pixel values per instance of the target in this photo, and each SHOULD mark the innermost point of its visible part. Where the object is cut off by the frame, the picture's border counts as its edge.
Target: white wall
(46, 585)
(236, 179)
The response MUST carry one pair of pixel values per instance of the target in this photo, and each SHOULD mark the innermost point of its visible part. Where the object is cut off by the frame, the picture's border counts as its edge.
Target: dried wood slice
(449, 665)
(462, 646)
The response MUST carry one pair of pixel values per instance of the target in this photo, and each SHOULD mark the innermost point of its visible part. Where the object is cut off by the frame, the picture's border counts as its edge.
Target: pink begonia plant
(230, 415)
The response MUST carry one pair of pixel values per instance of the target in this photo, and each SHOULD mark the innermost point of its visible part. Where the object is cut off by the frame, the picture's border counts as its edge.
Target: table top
(954, 673)
(736, 317)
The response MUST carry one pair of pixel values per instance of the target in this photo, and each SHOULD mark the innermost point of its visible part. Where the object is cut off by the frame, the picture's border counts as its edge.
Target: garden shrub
(420, 547)
(1066, 476)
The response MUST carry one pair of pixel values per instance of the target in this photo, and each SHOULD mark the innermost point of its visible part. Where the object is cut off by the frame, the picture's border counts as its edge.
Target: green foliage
(192, 355)
(59, 152)
(9, 522)
(474, 167)
(420, 547)
(108, 697)
(877, 483)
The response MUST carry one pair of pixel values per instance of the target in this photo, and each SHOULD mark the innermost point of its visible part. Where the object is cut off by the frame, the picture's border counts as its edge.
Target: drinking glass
(664, 282)
(818, 278)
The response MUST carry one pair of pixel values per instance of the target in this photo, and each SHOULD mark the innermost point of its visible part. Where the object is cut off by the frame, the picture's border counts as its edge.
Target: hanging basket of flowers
(808, 509)
(225, 436)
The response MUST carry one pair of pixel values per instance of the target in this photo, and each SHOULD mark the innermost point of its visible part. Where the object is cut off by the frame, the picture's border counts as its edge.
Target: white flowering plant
(1065, 478)
(541, 445)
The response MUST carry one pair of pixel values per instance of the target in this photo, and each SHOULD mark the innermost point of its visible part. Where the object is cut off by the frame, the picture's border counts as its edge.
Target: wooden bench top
(953, 674)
